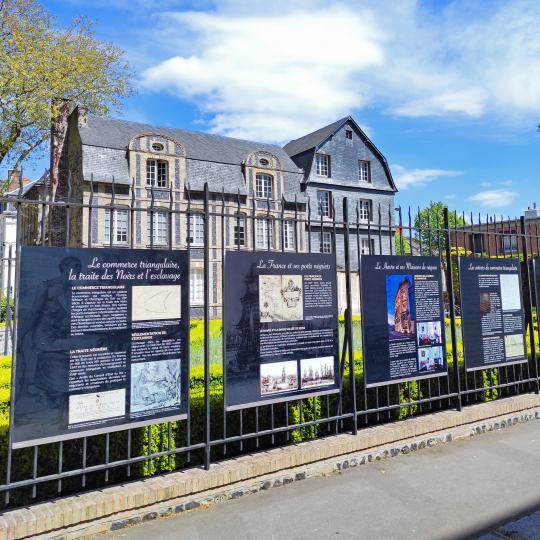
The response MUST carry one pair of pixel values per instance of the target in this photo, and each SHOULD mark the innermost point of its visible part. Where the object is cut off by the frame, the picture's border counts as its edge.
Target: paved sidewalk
(459, 490)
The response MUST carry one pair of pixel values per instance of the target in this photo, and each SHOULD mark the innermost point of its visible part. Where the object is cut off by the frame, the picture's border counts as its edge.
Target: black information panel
(102, 341)
(281, 327)
(402, 318)
(493, 322)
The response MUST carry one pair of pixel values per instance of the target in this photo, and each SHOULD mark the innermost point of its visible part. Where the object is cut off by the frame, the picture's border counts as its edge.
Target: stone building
(147, 171)
(403, 322)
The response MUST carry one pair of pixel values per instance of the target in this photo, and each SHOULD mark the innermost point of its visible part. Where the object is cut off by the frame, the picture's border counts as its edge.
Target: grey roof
(312, 140)
(210, 158)
(105, 163)
(43, 179)
(116, 134)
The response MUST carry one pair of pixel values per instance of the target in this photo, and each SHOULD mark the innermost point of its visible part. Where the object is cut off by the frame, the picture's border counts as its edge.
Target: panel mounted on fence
(493, 321)
(281, 327)
(102, 341)
(402, 318)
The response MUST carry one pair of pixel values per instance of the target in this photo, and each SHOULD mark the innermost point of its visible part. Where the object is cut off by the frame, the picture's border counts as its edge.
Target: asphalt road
(457, 490)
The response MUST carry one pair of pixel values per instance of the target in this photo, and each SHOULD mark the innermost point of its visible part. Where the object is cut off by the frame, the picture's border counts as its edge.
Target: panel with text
(102, 342)
(281, 327)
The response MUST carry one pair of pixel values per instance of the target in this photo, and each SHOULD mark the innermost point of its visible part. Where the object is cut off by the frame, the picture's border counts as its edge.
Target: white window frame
(120, 226)
(264, 233)
(510, 242)
(196, 287)
(367, 246)
(364, 210)
(160, 223)
(322, 165)
(326, 242)
(239, 230)
(289, 235)
(364, 171)
(157, 173)
(264, 186)
(325, 209)
(196, 230)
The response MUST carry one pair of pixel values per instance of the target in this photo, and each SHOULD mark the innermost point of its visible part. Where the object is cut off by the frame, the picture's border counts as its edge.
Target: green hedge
(400, 396)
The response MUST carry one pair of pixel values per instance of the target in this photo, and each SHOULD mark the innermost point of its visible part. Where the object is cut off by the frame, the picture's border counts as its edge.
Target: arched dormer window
(264, 186)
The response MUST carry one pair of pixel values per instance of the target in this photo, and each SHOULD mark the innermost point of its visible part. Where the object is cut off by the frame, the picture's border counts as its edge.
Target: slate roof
(210, 158)
(312, 140)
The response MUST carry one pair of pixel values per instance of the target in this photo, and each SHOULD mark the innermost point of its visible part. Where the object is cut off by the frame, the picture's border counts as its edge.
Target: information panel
(493, 322)
(402, 318)
(102, 341)
(281, 327)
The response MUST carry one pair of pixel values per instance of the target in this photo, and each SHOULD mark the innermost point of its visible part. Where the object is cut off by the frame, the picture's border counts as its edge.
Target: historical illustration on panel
(281, 298)
(155, 385)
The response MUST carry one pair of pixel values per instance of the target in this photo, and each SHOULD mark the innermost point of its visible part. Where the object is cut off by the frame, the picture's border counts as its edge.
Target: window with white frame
(364, 210)
(196, 230)
(509, 242)
(263, 186)
(239, 230)
(157, 228)
(327, 242)
(196, 286)
(324, 203)
(264, 233)
(364, 170)
(288, 235)
(367, 246)
(322, 162)
(156, 173)
(119, 220)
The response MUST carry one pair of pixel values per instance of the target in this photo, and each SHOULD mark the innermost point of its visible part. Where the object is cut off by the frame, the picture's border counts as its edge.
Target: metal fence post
(528, 300)
(348, 313)
(206, 218)
(451, 305)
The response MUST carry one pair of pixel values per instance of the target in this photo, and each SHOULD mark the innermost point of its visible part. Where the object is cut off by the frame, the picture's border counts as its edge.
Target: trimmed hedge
(402, 397)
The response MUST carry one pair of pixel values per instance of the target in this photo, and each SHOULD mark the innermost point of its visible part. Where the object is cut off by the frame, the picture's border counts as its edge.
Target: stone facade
(154, 177)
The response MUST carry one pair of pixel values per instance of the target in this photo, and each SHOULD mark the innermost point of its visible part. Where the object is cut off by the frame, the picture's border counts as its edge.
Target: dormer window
(264, 162)
(322, 163)
(263, 186)
(156, 173)
(158, 147)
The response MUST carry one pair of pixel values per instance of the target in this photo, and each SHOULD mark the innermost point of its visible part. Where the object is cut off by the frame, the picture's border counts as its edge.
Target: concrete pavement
(457, 490)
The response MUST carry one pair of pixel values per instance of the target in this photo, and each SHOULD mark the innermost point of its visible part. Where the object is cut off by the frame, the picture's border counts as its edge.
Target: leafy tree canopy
(429, 226)
(41, 63)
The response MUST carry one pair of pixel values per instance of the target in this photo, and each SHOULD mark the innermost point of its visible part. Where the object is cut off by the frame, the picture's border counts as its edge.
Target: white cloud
(274, 71)
(495, 198)
(406, 178)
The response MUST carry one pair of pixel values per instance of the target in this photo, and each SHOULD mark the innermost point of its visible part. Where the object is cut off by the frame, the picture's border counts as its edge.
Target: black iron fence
(233, 222)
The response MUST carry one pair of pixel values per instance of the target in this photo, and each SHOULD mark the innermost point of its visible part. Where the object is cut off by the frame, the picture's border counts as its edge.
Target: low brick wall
(126, 504)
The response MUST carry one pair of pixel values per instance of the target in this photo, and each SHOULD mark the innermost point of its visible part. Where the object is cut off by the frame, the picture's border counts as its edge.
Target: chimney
(531, 213)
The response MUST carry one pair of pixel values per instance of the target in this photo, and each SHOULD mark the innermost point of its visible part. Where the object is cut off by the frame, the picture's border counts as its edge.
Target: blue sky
(449, 91)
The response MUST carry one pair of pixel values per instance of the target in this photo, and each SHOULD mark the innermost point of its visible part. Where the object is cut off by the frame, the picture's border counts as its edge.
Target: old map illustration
(281, 298)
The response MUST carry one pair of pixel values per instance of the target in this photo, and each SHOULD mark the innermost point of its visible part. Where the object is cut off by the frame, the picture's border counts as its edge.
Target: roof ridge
(190, 131)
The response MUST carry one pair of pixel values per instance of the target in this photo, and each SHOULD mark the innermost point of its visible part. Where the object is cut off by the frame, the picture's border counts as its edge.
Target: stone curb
(115, 507)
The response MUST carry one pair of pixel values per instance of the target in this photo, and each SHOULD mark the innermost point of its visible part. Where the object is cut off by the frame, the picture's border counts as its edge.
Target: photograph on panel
(400, 306)
(513, 346)
(278, 377)
(429, 333)
(317, 371)
(430, 359)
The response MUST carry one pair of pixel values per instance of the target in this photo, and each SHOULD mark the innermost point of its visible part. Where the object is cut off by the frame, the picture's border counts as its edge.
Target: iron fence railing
(229, 222)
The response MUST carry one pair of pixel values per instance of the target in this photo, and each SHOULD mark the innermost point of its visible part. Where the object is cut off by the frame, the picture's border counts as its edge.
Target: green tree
(429, 225)
(402, 246)
(41, 66)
